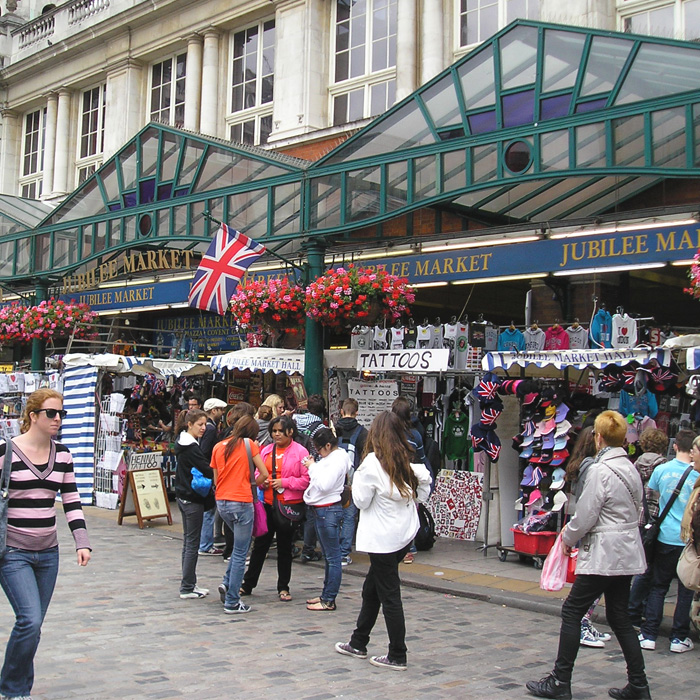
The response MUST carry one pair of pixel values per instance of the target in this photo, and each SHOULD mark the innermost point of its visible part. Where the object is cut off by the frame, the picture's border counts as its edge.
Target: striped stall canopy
(692, 359)
(78, 431)
(575, 359)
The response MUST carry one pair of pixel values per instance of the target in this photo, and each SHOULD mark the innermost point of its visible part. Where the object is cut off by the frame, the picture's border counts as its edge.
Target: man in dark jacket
(214, 408)
(351, 437)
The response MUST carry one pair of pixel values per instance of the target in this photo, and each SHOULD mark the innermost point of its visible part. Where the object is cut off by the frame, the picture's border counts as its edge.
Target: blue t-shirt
(664, 479)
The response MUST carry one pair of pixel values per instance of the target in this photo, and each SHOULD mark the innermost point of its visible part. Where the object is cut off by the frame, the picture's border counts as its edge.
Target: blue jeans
(663, 571)
(206, 538)
(28, 579)
(239, 517)
(347, 531)
(309, 533)
(192, 514)
(328, 522)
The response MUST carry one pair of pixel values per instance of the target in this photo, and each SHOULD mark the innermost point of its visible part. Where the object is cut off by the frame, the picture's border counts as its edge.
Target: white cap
(210, 404)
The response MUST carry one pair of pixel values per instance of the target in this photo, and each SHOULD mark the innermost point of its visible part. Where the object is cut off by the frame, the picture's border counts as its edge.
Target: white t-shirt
(624, 331)
(425, 336)
(361, 338)
(397, 338)
(381, 338)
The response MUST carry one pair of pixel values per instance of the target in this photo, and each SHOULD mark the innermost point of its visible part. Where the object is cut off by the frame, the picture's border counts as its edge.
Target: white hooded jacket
(388, 520)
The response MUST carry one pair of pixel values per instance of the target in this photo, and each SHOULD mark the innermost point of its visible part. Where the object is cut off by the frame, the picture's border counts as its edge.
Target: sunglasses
(51, 413)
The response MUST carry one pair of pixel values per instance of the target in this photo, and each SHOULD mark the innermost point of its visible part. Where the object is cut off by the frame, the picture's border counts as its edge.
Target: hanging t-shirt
(491, 334)
(645, 404)
(461, 346)
(624, 331)
(381, 338)
(477, 334)
(556, 338)
(455, 437)
(511, 341)
(534, 339)
(437, 340)
(397, 338)
(449, 341)
(601, 330)
(361, 338)
(578, 337)
(424, 336)
(409, 337)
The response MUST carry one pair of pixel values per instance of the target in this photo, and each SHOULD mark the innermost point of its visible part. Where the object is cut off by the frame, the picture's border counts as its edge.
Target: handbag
(284, 513)
(5, 495)
(652, 528)
(688, 568)
(201, 485)
(259, 514)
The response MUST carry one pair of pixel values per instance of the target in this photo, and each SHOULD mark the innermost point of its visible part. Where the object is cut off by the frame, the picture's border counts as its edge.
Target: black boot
(550, 687)
(630, 692)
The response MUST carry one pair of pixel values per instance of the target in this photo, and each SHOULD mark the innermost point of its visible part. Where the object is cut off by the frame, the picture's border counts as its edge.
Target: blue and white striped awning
(575, 359)
(692, 359)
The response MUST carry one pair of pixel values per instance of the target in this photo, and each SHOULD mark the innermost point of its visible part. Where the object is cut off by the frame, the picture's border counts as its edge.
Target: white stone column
(433, 40)
(124, 114)
(61, 161)
(9, 152)
(50, 144)
(302, 44)
(406, 48)
(210, 83)
(193, 82)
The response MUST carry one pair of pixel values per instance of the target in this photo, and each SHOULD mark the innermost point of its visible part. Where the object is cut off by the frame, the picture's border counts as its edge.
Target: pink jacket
(295, 476)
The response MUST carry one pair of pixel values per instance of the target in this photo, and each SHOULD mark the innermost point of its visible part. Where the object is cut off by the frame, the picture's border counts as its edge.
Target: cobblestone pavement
(119, 630)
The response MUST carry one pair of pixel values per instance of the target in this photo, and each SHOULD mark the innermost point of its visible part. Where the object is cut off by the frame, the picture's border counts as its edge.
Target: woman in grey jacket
(610, 553)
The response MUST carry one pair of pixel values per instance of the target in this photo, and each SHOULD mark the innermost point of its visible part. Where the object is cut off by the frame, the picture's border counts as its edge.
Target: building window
(679, 19)
(364, 51)
(92, 132)
(252, 83)
(33, 154)
(168, 91)
(481, 19)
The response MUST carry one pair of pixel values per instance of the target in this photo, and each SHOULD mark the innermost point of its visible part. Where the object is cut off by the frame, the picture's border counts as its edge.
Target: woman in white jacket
(385, 489)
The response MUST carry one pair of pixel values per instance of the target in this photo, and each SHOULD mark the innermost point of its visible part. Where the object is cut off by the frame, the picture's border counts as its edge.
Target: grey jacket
(606, 519)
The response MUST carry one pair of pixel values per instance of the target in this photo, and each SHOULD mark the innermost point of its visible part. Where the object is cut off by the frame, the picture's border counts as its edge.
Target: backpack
(349, 444)
(425, 537)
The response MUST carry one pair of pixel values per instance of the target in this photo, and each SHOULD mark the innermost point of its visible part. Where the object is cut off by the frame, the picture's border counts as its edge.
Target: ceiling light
(617, 268)
(424, 285)
(480, 243)
(504, 278)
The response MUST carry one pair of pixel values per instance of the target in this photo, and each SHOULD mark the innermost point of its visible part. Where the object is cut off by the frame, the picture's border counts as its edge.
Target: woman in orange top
(234, 501)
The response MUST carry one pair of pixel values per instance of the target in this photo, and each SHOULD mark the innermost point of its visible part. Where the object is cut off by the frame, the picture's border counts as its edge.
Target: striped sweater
(31, 512)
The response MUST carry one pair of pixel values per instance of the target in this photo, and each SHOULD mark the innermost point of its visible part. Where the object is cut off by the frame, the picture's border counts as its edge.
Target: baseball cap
(534, 497)
(548, 442)
(560, 442)
(559, 457)
(562, 428)
(562, 412)
(558, 477)
(560, 500)
(210, 404)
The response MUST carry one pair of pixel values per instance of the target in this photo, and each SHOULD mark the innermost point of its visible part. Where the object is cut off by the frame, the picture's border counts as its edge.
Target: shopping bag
(555, 566)
(260, 520)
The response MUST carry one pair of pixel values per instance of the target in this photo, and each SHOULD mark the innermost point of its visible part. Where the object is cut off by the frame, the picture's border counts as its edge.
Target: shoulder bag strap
(253, 486)
(7, 467)
(629, 490)
(674, 495)
(274, 471)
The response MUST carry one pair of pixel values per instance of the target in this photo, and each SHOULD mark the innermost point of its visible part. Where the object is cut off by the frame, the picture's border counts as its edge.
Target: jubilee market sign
(629, 248)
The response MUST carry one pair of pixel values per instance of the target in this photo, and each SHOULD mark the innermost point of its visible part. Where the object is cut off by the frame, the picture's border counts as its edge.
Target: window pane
(590, 145)
(562, 58)
(357, 105)
(340, 109)
(554, 150)
(484, 160)
(518, 57)
(605, 61)
(668, 134)
(378, 99)
(477, 78)
(691, 19)
(629, 141)
(454, 171)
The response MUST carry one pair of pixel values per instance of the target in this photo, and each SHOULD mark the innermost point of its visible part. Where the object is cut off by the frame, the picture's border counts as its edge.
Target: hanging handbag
(259, 514)
(5, 495)
(285, 513)
(688, 568)
(652, 528)
(200, 484)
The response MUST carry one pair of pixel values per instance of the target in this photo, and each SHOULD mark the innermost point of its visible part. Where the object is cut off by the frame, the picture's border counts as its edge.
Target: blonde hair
(34, 403)
(611, 427)
(273, 400)
(690, 508)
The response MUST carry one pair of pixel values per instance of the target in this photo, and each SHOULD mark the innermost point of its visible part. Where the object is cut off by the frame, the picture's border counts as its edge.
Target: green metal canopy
(541, 123)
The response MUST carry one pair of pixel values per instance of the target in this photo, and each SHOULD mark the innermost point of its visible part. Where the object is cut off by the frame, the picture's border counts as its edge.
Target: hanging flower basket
(276, 304)
(55, 318)
(10, 323)
(356, 295)
(694, 276)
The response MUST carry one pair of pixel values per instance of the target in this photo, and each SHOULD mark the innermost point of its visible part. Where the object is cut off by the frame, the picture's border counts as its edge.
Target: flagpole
(286, 261)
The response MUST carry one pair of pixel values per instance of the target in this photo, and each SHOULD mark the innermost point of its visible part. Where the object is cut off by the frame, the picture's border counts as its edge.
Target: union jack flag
(229, 256)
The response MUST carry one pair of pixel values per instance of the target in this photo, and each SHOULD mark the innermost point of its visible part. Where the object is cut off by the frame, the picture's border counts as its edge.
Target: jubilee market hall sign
(629, 248)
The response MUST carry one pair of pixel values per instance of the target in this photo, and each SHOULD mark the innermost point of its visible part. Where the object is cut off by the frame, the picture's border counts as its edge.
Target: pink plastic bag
(555, 566)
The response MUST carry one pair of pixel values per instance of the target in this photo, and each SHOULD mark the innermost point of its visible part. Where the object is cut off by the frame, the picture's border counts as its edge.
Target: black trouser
(382, 588)
(585, 590)
(284, 530)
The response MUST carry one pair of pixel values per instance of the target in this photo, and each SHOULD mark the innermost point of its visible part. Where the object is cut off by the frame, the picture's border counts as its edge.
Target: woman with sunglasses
(41, 468)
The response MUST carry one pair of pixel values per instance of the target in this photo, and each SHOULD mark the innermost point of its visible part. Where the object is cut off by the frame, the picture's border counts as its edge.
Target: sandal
(311, 601)
(285, 596)
(322, 605)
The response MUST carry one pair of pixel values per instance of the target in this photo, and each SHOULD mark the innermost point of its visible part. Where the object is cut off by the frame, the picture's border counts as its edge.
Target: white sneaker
(588, 639)
(603, 636)
(344, 561)
(648, 644)
(197, 592)
(680, 645)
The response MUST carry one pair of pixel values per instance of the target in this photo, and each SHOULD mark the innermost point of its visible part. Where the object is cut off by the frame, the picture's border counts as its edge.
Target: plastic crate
(537, 543)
